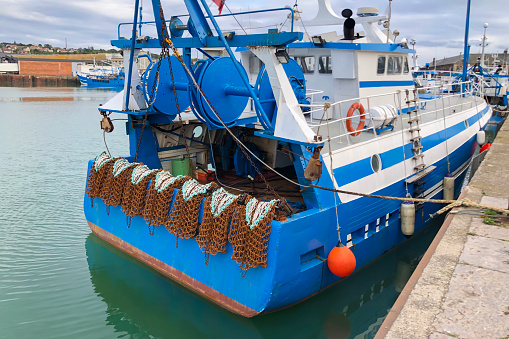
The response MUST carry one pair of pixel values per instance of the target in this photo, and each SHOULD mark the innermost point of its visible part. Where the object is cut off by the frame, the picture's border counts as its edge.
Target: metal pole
(389, 21)
(141, 17)
(483, 44)
(133, 44)
(465, 49)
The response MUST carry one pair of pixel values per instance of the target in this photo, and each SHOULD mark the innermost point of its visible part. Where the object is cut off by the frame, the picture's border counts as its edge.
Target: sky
(438, 26)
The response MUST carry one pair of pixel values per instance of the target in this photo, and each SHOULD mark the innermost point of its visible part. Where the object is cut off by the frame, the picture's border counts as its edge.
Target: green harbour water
(58, 280)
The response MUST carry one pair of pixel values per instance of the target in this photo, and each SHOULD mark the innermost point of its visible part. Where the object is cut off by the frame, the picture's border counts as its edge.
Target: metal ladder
(415, 137)
(414, 130)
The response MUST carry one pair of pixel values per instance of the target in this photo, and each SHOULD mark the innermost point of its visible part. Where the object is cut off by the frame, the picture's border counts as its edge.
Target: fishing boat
(259, 182)
(103, 79)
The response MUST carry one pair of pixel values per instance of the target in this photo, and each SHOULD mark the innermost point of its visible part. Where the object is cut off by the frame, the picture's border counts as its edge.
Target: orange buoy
(349, 125)
(341, 260)
(485, 147)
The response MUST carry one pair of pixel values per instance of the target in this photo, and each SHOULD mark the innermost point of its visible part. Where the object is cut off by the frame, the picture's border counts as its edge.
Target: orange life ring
(355, 131)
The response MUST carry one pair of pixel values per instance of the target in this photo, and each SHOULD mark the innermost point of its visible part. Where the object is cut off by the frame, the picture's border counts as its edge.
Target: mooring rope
(451, 203)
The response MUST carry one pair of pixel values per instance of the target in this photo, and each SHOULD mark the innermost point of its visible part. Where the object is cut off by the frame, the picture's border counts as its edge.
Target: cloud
(437, 25)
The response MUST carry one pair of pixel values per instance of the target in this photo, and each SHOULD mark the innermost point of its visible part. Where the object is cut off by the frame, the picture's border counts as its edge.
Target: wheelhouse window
(394, 65)
(324, 64)
(381, 65)
(406, 69)
(307, 63)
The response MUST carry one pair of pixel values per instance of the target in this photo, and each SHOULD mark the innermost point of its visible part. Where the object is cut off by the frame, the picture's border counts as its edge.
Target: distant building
(8, 64)
(7, 58)
(46, 67)
(455, 63)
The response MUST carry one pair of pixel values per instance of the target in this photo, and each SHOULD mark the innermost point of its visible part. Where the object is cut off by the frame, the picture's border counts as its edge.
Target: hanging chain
(282, 200)
(150, 103)
(166, 50)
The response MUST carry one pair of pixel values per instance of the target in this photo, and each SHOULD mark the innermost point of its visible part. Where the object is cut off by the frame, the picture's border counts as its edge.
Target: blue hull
(101, 82)
(293, 271)
(152, 301)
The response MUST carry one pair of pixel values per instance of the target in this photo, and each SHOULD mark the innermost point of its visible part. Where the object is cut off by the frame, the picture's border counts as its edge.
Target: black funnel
(349, 25)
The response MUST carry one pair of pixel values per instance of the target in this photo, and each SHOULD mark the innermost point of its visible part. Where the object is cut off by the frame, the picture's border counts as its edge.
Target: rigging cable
(244, 149)
(234, 17)
(104, 138)
(402, 136)
(332, 174)
(214, 160)
(152, 97)
(445, 132)
(302, 22)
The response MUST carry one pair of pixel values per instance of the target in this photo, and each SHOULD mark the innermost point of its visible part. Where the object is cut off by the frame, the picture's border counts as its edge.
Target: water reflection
(38, 99)
(51, 94)
(43, 99)
(142, 303)
(492, 130)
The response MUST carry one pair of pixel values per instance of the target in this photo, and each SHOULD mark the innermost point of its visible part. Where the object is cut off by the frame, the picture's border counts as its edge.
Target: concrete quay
(460, 289)
(17, 80)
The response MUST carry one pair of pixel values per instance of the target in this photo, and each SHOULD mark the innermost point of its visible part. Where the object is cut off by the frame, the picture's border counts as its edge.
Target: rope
(242, 147)
(166, 51)
(451, 203)
(402, 138)
(332, 173)
(105, 144)
(445, 133)
(497, 110)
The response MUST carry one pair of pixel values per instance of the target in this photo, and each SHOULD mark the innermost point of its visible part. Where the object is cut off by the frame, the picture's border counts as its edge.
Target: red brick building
(45, 67)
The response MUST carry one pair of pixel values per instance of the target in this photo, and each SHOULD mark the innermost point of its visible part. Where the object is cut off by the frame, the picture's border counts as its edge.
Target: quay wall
(20, 80)
(459, 287)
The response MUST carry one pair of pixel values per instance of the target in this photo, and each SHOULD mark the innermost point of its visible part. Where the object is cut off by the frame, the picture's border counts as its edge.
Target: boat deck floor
(257, 188)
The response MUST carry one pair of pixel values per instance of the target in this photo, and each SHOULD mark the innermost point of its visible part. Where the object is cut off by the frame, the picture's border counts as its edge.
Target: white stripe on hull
(396, 173)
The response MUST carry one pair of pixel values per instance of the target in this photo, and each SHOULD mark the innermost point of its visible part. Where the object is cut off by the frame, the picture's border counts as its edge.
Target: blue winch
(163, 95)
(221, 86)
(266, 95)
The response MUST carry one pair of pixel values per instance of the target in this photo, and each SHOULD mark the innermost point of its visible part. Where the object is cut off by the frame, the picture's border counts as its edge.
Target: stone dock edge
(459, 287)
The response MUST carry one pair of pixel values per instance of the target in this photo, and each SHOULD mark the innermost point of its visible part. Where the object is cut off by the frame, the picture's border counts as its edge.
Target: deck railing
(330, 119)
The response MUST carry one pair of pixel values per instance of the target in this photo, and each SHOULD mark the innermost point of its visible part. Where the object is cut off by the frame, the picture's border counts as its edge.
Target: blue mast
(465, 49)
(203, 30)
(133, 43)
